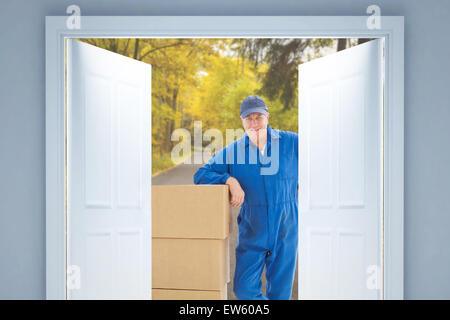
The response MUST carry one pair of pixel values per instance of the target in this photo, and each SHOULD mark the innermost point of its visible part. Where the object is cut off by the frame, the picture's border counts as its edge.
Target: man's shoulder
(227, 149)
(287, 134)
(233, 144)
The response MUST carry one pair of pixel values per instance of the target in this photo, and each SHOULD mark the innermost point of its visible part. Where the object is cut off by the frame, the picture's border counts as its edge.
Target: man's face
(255, 125)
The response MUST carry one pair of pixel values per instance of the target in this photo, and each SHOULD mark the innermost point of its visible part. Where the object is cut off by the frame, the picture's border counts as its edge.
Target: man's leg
(280, 268)
(247, 277)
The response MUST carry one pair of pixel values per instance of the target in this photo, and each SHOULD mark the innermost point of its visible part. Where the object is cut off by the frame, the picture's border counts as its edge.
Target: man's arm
(214, 172)
(296, 141)
(218, 172)
(237, 194)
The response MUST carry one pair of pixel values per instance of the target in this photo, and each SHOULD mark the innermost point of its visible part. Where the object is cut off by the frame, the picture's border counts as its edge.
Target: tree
(283, 57)
(207, 79)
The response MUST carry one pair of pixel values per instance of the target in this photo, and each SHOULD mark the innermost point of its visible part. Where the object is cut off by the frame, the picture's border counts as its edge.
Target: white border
(392, 29)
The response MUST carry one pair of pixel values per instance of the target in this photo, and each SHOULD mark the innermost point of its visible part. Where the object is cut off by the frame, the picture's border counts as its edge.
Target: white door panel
(340, 117)
(109, 174)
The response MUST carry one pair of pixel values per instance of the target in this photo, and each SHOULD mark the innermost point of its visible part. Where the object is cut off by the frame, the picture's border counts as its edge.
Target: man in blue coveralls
(261, 169)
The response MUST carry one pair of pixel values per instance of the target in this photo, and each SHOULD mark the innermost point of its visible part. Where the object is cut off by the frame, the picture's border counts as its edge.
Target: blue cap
(253, 104)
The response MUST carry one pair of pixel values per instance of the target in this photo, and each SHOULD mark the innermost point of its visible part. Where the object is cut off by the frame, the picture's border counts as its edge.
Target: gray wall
(22, 127)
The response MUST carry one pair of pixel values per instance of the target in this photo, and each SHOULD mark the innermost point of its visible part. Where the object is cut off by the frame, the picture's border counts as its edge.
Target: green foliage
(282, 56)
(207, 79)
(161, 162)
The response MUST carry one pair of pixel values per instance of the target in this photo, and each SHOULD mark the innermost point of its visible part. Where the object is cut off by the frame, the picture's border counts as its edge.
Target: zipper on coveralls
(267, 212)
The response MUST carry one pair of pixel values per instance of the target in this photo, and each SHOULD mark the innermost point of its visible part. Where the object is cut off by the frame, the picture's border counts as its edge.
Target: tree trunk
(362, 40)
(136, 48)
(342, 44)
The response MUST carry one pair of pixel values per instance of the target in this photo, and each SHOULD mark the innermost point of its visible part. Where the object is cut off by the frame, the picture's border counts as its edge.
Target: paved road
(182, 175)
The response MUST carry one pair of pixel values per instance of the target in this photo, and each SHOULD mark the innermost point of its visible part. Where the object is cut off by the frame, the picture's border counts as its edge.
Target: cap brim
(255, 110)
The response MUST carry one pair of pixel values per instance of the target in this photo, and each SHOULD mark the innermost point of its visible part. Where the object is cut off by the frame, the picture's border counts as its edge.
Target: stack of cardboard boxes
(190, 229)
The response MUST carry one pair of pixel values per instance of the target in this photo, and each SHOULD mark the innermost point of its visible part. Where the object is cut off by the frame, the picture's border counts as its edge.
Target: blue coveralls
(268, 219)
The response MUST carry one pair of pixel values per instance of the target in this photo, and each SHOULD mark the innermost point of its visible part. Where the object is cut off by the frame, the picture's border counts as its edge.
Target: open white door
(108, 175)
(340, 172)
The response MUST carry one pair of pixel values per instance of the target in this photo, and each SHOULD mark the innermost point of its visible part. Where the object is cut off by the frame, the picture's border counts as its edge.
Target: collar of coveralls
(270, 132)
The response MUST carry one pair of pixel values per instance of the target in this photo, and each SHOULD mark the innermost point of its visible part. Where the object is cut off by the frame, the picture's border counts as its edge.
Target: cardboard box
(201, 264)
(227, 262)
(191, 211)
(177, 294)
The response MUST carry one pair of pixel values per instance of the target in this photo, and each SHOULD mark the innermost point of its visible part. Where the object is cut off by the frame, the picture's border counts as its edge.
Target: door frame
(391, 28)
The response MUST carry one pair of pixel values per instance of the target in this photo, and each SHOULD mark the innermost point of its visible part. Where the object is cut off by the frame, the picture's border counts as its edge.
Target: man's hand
(237, 194)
